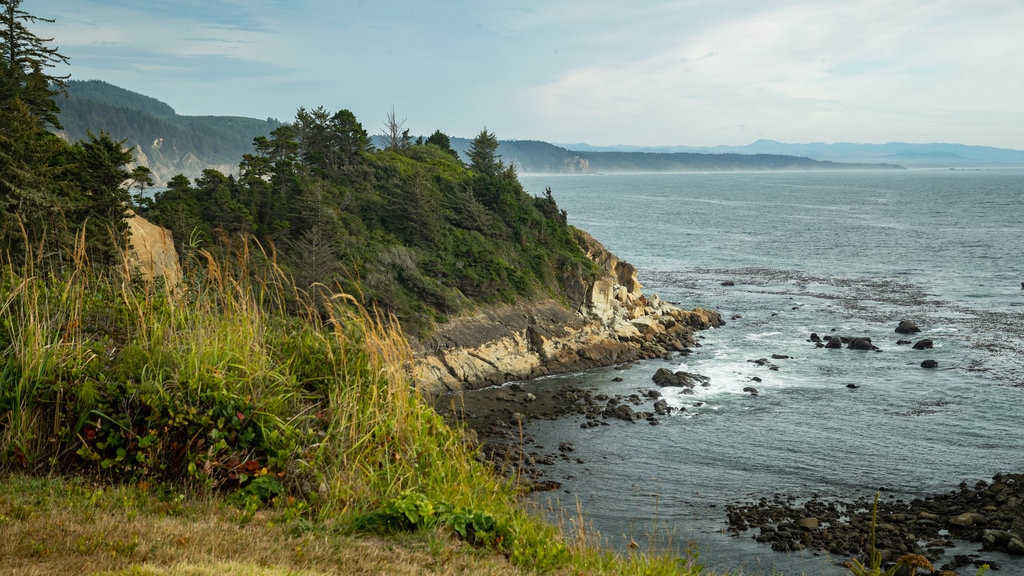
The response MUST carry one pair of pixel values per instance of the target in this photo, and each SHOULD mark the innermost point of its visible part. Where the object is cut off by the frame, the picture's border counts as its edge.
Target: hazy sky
(694, 72)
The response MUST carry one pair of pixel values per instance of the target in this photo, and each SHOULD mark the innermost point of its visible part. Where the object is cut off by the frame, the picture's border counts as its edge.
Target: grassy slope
(239, 423)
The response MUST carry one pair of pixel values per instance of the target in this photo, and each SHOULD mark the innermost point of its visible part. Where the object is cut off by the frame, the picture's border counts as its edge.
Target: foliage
(24, 58)
(409, 229)
(51, 191)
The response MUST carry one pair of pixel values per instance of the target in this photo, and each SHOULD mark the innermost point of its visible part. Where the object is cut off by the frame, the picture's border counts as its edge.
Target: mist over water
(836, 253)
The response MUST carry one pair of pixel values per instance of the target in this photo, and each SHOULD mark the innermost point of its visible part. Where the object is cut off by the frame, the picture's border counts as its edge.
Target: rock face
(151, 251)
(607, 320)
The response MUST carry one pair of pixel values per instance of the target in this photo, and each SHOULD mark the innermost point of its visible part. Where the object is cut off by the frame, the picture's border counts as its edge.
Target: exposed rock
(967, 519)
(862, 343)
(809, 524)
(929, 364)
(151, 251)
(665, 377)
(608, 321)
(925, 344)
(907, 327)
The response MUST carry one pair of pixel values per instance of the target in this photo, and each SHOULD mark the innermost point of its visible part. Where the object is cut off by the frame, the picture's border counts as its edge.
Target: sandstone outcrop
(151, 251)
(607, 320)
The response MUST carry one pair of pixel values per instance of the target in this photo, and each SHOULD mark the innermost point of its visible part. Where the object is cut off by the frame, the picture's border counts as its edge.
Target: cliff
(611, 321)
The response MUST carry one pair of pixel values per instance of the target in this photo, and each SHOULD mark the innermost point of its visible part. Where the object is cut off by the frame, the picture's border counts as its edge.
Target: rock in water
(907, 327)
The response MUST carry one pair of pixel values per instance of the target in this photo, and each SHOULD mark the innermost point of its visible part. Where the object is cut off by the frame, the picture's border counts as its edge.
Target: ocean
(782, 255)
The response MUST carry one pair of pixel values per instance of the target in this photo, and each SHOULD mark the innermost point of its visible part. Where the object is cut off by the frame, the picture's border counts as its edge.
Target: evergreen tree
(24, 57)
(442, 141)
(102, 201)
(483, 154)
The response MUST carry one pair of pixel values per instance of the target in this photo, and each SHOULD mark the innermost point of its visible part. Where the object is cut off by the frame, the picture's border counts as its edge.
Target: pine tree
(24, 59)
(483, 154)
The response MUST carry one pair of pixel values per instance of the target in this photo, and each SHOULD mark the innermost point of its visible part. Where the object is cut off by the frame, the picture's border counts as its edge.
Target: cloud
(800, 68)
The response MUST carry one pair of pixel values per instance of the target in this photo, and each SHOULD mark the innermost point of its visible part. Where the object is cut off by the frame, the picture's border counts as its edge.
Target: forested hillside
(531, 156)
(166, 142)
(408, 227)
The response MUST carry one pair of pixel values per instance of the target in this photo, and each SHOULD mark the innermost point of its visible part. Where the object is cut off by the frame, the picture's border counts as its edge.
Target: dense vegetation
(240, 382)
(410, 228)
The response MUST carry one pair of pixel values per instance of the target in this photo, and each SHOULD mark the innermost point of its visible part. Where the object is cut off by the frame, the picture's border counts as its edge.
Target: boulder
(834, 343)
(809, 524)
(925, 344)
(624, 412)
(929, 364)
(907, 327)
(665, 377)
(967, 519)
(862, 343)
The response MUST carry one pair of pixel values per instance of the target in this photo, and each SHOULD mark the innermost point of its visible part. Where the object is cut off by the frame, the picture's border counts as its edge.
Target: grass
(237, 424)
(69, 526)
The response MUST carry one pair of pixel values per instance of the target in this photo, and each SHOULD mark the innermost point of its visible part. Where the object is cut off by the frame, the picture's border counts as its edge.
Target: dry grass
(67, 527)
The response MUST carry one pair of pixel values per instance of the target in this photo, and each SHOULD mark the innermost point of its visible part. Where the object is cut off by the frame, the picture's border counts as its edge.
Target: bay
(782, 255)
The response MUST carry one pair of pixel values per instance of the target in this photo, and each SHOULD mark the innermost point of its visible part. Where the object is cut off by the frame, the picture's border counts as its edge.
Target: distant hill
(166, 142)
(935, 155)
(531, 156)
(172, 144)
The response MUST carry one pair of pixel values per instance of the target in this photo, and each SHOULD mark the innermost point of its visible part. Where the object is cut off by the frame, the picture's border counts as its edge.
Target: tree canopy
(409, 227)
(50, 190)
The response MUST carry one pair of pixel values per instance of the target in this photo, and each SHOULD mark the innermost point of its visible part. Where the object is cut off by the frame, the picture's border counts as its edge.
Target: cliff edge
(607, 321)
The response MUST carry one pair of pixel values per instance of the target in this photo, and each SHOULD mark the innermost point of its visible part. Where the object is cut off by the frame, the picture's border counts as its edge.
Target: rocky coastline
(940, 527)
(603, 322)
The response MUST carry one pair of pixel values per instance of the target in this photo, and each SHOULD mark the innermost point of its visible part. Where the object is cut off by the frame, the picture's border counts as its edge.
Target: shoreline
(935, 526)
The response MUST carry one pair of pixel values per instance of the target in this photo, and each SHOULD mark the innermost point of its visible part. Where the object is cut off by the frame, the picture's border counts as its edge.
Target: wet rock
(862, 343)
(907, 327)
(624, 412)
(925, 344)
(809, 524)
(833, 342)
(665, 377)
(967, 519)
(929, 364)
(751, 390)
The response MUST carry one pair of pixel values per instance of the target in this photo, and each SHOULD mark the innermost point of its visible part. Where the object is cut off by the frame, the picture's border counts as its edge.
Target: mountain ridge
(930, 155)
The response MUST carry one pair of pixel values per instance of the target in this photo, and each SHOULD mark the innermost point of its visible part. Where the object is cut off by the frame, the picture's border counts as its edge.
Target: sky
(603, 72)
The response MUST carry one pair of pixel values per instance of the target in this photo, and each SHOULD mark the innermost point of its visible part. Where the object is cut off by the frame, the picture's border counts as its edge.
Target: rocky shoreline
(604, 321)
(611, 323)
(988, 513)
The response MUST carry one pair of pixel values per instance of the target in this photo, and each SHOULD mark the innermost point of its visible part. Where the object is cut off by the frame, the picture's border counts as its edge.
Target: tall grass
(235, 380)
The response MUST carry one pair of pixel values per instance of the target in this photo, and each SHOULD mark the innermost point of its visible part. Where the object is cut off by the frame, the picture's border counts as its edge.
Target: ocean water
(848, 253)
